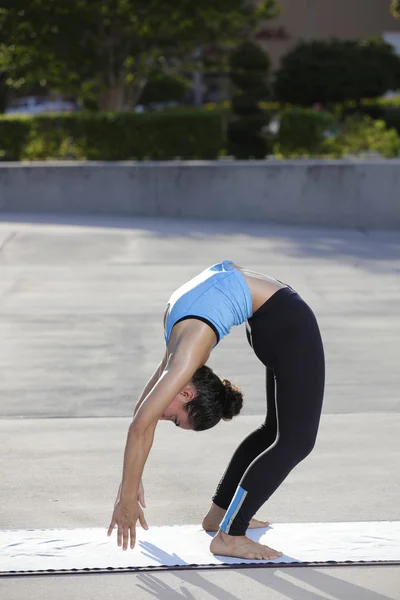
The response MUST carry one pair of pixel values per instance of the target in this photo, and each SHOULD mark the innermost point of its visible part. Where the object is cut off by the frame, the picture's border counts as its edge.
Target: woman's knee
(306, 445)
(300, 444)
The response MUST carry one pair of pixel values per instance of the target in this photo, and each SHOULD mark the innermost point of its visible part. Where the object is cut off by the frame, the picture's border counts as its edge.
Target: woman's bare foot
(213, 518)
(241, 547)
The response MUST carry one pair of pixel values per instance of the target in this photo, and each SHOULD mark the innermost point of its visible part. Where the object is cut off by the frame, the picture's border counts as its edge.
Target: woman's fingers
(142, 519)
(125, 519)
(125, 537)
(112, 525)
(120, 534)
(133, 536)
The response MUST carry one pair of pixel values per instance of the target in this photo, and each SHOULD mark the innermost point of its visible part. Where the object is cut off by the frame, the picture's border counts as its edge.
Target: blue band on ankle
(233, 509)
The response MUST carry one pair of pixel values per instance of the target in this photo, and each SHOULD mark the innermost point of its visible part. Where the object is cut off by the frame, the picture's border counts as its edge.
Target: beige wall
(349, 19)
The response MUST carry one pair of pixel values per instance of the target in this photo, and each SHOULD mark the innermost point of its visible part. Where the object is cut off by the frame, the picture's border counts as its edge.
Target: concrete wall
(355, 194)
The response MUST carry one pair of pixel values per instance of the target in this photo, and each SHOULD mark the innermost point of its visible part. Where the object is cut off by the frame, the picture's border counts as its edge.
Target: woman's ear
(188, 392)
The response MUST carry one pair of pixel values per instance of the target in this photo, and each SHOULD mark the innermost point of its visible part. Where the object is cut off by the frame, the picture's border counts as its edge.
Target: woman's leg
(251, 447)
(300, 372)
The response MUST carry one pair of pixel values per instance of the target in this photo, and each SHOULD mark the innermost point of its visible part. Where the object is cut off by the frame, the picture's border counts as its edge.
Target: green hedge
(183, 133)
(305, 133)
(361, 135)
(14, 134)
(302, 132)
(188, 134)
(392, 119)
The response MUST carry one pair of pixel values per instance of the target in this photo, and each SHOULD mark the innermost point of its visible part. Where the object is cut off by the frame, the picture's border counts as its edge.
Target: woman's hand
(125, 515)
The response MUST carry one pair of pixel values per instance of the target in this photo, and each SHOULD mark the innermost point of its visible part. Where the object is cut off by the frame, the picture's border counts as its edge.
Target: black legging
(285, 337)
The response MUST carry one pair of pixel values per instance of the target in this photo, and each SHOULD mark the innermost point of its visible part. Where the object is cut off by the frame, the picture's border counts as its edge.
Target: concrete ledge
(351, 194)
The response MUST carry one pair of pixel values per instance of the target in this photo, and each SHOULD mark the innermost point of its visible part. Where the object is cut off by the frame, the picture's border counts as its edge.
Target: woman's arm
(156, 375)
(175, 376)
(186, 353)
(152, 382)
(189, 349)
(149, 386)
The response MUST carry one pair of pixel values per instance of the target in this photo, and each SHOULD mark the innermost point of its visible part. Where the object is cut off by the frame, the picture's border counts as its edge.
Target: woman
(284, 335)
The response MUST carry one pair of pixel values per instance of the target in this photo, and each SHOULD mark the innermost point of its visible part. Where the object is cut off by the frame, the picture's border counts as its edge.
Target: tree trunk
(136, 90)
(111, 98)
(123, 96)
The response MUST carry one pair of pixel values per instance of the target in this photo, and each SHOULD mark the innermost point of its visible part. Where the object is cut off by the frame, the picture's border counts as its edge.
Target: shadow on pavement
(270, 579)
(307, 241)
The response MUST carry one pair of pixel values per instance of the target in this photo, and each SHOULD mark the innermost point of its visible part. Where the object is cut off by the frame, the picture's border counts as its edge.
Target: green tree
(115, 44)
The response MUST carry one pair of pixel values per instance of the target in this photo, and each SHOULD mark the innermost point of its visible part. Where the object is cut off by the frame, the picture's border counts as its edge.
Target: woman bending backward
(284, 335)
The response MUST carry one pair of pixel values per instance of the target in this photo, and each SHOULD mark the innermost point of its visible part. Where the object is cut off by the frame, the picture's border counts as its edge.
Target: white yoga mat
(187, 546)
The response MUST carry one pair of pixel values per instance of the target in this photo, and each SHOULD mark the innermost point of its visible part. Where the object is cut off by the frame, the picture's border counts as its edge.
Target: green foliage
(336, 71)
(114, 44)
(381, 67)
(14, 134)
(361, 135)
(184, 133)
(189, 134)
(383, 109)
(307, 133)
(392, 119)
(249, 72)
(165, 88)
(249, 66)
(302, 132)
(52, 143)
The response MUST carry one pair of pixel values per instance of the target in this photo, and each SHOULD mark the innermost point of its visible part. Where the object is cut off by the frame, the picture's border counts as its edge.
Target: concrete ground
(81, 306)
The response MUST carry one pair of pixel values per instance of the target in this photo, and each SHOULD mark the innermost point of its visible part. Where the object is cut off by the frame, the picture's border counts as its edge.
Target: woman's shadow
(270, 577)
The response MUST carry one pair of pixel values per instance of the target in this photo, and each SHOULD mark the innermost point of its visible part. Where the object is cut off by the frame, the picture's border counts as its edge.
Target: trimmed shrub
(336, 71)
(381, 67)
(302, 132)
(183, 133)
(249, 72)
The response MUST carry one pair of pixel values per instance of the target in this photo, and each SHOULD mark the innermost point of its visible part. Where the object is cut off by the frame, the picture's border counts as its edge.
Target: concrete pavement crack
(8, 239)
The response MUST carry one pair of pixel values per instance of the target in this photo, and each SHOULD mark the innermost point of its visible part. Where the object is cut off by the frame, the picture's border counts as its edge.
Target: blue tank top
(219, 296)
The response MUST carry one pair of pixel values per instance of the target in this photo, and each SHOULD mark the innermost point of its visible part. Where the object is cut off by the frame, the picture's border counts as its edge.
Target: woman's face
(175, 411)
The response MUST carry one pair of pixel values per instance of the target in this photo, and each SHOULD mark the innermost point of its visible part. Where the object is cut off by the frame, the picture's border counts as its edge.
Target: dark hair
(215, 399)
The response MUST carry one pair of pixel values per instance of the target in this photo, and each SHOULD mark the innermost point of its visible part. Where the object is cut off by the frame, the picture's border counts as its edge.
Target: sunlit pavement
(81, 305)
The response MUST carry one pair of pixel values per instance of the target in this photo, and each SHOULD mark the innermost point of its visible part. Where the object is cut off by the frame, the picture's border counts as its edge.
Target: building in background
(324, 19)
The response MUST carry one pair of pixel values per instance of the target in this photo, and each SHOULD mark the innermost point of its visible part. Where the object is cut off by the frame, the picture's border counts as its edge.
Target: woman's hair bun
(233, 400)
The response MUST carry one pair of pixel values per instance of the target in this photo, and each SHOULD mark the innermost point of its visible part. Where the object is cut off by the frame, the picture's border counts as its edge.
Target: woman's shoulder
(191, 337)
